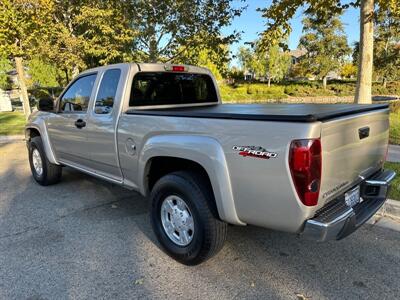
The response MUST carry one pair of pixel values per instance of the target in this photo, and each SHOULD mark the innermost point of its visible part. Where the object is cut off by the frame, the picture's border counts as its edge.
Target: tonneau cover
(264, 112)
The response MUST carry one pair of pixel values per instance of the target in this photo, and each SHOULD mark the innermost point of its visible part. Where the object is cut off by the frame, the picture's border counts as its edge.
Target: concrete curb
(390, 209)
(393, 153)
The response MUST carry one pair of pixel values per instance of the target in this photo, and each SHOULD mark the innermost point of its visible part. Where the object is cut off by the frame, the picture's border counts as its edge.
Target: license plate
(352, 197)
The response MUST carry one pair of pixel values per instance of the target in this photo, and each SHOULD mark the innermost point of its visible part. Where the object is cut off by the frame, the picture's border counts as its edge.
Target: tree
(245, 58)
(168, 28)
(326, 45)
(5, 66)
(278, 17)
(272, 62)
(88, 33)
(348, 70)
(42, 73)
(216, 59)
(366, 53)
(23, 25)
(387, 46)
(252, 60)
(278, 63)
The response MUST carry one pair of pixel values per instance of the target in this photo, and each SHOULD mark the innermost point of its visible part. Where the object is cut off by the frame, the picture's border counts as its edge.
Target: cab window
(107, 91)
(76, 98)
(160, 88)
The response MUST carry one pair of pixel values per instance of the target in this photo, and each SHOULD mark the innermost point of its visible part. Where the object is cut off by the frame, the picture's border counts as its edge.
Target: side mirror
(46, 104)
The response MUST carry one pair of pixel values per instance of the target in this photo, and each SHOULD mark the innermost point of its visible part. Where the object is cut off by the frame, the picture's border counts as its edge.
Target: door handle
(363, 132)
(80, 123)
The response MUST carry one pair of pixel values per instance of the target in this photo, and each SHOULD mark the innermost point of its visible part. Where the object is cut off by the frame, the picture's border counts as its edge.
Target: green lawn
(395, 127)
(12, 123)
(395, 190)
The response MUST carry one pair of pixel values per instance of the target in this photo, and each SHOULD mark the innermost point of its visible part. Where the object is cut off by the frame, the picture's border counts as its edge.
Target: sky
(251, 23)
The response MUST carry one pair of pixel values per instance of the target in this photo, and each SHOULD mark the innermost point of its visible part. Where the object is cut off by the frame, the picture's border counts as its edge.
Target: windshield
(160, 88)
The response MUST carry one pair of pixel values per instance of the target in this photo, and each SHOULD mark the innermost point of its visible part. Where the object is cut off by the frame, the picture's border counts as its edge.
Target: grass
(256, 92)
(395, 190)
(12, 123)
(394, 134)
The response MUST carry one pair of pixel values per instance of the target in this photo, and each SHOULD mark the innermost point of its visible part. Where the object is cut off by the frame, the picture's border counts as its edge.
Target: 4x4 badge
(254, 151)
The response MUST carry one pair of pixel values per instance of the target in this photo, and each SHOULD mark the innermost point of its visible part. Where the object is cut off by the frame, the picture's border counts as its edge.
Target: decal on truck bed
(254, 151)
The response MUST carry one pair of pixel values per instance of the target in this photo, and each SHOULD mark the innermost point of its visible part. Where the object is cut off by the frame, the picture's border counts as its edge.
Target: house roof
(298, 52)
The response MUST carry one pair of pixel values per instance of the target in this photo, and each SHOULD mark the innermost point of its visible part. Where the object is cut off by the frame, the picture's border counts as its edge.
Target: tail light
(305, 163)
(175, 68)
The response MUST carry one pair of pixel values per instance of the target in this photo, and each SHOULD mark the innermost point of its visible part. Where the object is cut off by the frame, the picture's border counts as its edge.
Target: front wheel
(44, 172)
(184, 220)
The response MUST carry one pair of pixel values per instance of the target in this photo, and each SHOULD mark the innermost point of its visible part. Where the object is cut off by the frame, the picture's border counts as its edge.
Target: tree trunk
(22, 86)
(324, 82)
(365, 60)
(153, 51)
(153, 46)
(269, 81)
(66, 75)
(384, 83)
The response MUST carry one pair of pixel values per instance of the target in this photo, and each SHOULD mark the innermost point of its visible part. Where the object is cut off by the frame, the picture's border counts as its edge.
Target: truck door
(68, 128)
(102, 123)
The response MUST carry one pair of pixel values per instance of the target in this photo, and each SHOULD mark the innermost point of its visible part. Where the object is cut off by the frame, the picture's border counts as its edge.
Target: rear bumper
(336, 220)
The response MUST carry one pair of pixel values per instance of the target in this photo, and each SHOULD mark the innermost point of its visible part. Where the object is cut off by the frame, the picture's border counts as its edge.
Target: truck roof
(264, 112)
(150, 67)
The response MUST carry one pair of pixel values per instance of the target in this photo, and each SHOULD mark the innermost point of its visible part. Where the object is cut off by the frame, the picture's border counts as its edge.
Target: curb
(393, 153)
(11, 138)
(390, 209)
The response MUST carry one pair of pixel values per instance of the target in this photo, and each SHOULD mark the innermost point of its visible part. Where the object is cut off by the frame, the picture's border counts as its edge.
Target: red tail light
(175, 68)
(305, 163)
(178, 68)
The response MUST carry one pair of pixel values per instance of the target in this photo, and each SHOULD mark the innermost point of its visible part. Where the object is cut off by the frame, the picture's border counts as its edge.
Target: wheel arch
(204, 154)
(32, 130)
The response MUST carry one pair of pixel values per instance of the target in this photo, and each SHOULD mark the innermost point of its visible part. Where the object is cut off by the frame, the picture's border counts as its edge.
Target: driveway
(87, 239)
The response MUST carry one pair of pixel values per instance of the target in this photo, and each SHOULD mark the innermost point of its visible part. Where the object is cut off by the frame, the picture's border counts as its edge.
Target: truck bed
(263, 112)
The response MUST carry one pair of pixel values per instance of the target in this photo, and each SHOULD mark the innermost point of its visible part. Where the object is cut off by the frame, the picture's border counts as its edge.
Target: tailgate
(353, 147)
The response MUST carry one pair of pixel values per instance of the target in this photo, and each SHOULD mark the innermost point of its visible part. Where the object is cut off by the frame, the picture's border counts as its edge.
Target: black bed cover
(264, 112)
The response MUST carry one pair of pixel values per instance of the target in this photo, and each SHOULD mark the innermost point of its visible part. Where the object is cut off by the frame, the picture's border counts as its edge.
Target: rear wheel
(44, 172)
(184, 220)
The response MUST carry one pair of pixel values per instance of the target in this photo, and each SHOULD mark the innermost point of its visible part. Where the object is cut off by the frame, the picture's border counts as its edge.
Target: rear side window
(107, 91)
(76, 98)
(158, 88)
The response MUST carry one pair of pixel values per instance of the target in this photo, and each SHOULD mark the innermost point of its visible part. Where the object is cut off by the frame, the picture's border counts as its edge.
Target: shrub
(395, 107)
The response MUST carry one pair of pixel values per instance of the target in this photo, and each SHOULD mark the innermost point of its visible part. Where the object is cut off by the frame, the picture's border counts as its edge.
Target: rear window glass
(158, 88)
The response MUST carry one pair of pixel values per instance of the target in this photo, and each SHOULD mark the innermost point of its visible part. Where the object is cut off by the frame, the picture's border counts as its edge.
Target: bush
(307, 89)
(392, 88)
(261, 91)
(250, 92)
(394, 106)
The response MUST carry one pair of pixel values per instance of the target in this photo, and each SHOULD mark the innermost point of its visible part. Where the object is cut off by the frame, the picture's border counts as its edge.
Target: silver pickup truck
(161, 130)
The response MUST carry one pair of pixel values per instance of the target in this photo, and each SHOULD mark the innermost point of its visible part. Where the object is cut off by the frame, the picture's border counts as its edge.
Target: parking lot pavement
(87, 239)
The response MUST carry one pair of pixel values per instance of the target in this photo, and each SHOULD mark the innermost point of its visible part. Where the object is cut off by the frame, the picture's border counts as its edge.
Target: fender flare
(203, 150)
(41, 127)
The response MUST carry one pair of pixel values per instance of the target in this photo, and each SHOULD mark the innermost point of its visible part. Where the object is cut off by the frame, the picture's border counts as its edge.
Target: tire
(50, 173)
(208, 234)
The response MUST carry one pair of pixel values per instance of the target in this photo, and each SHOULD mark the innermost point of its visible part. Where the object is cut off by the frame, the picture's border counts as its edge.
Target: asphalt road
(86, 239)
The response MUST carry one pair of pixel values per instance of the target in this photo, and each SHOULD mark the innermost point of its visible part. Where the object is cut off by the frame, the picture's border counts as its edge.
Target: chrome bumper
(336, 220)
